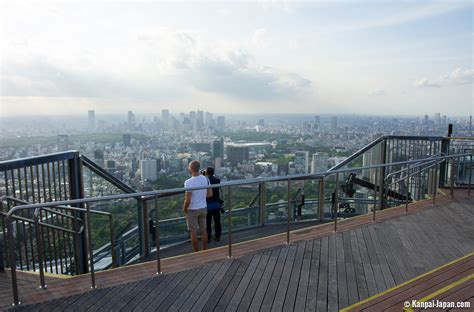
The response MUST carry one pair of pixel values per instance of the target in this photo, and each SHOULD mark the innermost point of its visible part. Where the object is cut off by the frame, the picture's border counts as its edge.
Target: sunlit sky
(363, 57)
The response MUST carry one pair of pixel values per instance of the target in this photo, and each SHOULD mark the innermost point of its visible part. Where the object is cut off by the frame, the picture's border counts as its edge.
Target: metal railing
(380, 196)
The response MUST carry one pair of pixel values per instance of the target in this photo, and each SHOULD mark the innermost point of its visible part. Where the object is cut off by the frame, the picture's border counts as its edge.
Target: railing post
(146, 230)
(2, 240)
(408, 189)
(443, 167)
(112, 242)
(452, 177)
(16, 299)
(39, 246)
(336, 202)
(383, 154)
(89, 241)
(435, 175)
(321, 200)
(157, 238)
(263, 201)
(123, 252)
(229, 225)
(141, 225)
(470, 175)
(288, 219)
(375, 193)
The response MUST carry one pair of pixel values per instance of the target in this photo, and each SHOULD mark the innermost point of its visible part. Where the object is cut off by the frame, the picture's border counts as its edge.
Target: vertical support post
(89, 242)
(16, 299)
(146, 230)
(453, 164)
(336, 202)
(263, 201)
(444, 165)
(39, 246)
(76, 191)
(433, 183)
(408, 189)
(112, 242)
(470, 175)
(375, 193)
(383, 155)
(321, 200)
(141, 225)
(157, 238)
(2, 241)
(288, 219)
(229, 220)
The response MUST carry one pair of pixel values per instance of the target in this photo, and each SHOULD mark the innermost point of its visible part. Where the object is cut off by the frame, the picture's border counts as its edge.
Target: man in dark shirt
(213, 206)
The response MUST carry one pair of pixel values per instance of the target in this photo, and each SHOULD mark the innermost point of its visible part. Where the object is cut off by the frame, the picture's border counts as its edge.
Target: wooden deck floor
(321, 270)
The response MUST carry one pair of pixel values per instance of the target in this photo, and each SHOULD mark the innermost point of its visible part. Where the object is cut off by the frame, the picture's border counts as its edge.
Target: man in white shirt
(195, 206)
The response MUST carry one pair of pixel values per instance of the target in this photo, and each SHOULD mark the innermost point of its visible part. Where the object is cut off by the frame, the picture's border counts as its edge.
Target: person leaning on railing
(214, 205)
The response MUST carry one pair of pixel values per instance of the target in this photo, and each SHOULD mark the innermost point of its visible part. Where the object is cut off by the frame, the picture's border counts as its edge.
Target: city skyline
(366, 58)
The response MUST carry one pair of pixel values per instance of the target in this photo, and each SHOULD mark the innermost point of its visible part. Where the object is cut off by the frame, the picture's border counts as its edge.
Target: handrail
(31, 161)
(149, 194)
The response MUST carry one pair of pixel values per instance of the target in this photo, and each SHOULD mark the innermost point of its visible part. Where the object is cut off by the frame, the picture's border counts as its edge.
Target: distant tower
(131, 120)
(261, 122)
(317, 122)
(165, 118)
(127, 140)
(221, 122)
(91, 119)
(302, 162)
(334, 124)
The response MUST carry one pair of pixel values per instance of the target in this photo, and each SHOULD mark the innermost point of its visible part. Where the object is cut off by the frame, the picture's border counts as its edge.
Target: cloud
(377, 92)
(259, 37)
(425, 83)
(457, 77)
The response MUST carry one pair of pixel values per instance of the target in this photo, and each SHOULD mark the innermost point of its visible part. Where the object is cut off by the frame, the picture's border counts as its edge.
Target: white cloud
(377, 92)
(457, 77)
(259, 37)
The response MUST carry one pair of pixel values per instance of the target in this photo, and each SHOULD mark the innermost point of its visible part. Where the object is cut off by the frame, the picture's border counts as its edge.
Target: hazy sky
(376, 57)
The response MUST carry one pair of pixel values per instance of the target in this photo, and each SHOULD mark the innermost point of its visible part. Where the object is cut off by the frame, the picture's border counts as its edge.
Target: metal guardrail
(158, 194)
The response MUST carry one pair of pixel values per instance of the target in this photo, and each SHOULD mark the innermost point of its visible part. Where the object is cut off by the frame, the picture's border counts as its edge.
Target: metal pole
(39, 246)
(16, 299)
(321, 200)
(146, 230)
(408, 189)
(112, 242)
(89, 241)
(263, 202)
(229, 220)
(288, 219)
(470, 176)
(452, 178)
(157, 237)
(336, 203)
(375, 194)
(435, 189)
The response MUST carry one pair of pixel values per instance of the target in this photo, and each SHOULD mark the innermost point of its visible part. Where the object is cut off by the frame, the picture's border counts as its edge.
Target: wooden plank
(244, 283)
(322, 296)
(366, 264)
(352, 293)
(246, 300)
(303, 283)
(381, 258)
(139, 287)
(332, 275)
(362, 289)
(275, 279)
(234, 283)
(211, 287)
(265, 281)
(343, 297)
(289, 304)
(376, 266)
(155, 285)
(312, 291)
(283, 284)
(182, 289)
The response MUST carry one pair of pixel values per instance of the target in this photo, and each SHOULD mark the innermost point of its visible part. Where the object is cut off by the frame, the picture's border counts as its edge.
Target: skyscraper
(127, 140)
(149, 169)
(302, 162)
(319, 163)
(221, 122)
(218, 148)
(334, 124)
(165, 118)
(131, 120)
(91, 119)
(261, 122)
(317, 122)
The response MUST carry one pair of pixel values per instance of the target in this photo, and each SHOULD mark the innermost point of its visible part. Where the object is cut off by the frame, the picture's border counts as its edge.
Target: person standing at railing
(195, 206)
(214, 205)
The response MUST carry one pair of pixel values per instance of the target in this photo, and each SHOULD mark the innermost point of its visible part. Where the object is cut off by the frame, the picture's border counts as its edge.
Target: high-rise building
(199, 120)
(302, 162)
(127, 140)
(131, 120)
(261, 122)
(63, 142)
(334, 124)
(91, 119)
(99, 157)
(319, 162)
(317, 122)
(237, 154)
(438, 119)
(208, 118)
(165, 118)
(218, 148)
(220, 122)
(149, 170)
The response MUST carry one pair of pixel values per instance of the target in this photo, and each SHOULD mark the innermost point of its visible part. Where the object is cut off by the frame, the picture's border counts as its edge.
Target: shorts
(196, 218)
